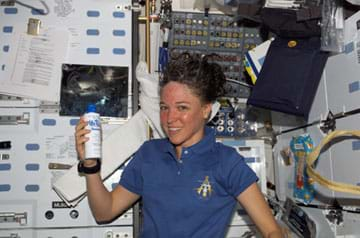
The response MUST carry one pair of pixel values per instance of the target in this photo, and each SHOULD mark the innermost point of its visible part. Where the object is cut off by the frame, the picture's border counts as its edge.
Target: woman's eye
(182, 108)
(163, 108)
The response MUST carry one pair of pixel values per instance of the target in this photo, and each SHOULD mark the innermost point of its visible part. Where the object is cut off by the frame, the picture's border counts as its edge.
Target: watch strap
(89, 170)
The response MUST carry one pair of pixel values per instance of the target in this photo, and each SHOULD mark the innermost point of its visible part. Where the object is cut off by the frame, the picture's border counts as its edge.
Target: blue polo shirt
(193, 196)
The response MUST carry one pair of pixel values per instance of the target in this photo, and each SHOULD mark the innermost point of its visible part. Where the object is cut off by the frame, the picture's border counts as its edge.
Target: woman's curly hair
(205, 79)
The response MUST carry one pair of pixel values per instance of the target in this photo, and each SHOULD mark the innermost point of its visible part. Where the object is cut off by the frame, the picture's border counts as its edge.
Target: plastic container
(93, 145)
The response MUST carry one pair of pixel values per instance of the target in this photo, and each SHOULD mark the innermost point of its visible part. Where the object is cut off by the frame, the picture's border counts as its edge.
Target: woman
(189, 183)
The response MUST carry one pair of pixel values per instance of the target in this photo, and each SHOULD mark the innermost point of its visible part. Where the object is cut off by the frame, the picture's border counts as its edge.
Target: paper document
(37, 70)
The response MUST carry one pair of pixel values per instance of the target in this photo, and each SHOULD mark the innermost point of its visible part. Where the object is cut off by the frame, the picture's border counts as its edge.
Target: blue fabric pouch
(290, 75)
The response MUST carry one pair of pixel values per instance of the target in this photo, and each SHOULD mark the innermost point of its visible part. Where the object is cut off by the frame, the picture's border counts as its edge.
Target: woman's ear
(206, 111)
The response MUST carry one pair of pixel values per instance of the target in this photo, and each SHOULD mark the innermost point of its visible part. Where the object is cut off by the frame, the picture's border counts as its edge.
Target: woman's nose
(171, 116)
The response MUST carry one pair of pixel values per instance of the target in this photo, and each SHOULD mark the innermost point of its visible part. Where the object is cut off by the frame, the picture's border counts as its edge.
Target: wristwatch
(89, 170)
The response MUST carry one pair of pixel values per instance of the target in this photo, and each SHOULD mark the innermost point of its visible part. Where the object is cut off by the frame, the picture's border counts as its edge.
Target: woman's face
(182, 115)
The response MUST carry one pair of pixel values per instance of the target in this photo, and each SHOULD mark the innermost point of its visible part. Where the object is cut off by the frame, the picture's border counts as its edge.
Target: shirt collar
(205, 144)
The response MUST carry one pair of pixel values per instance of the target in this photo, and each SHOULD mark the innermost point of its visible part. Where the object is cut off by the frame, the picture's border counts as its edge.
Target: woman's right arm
(104, 205)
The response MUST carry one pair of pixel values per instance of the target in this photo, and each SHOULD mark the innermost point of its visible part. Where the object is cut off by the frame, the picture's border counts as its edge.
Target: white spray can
(93, 145)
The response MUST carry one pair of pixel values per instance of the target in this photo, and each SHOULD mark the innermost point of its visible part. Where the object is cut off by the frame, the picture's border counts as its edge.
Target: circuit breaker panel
(55, 57)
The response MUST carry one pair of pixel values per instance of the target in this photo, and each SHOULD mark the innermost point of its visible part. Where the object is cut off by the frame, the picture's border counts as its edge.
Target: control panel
(220, 36)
